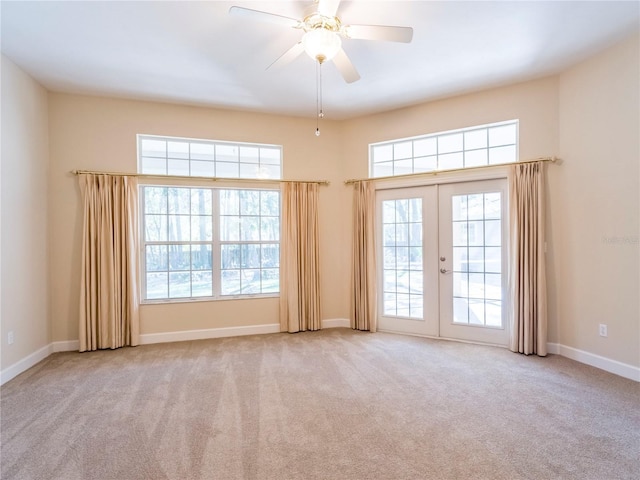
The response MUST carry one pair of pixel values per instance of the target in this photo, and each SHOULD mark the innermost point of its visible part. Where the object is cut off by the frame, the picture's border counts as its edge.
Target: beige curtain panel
(109, 302)
(299, 258)
(363, 268)
(527, 269)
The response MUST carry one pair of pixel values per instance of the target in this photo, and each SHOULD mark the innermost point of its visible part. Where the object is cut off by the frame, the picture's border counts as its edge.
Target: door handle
(444, 270)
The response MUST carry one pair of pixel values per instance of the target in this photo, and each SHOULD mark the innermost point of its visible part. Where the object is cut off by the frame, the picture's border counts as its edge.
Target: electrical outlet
(10, 337)
(603, 330)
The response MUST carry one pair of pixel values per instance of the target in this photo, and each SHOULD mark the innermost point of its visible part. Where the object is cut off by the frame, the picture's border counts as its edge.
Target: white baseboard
(66, 346)
(612, 366)
(553, 348)
(26, 363)
(149, 338)
(336, 323)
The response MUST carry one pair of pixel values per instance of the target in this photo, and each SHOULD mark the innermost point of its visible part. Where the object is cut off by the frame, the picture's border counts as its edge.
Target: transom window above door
(482, 145)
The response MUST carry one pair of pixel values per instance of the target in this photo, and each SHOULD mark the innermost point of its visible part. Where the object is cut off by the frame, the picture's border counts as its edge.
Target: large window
(207, 158)
(470, 147)
(210, 242)
(202, 242)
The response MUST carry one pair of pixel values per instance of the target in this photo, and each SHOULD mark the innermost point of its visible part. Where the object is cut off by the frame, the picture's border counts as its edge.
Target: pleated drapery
(363, 268)
(109, 301)
(299, 258)
(528, 292)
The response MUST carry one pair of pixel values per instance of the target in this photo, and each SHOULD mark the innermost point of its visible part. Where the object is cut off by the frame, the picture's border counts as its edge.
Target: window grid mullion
(216, 249)
(190, 237)
(215, 159)
(166, 157)
(167, 236)
(464, 152)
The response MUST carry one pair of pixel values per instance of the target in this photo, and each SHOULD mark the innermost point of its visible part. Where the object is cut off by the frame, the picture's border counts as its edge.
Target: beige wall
(588, 116)
(23, 202)
(595, 211)
(100, 134)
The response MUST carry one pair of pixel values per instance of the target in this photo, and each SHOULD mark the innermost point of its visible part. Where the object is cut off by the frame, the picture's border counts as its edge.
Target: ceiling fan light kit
(321, 44)
(322, 39)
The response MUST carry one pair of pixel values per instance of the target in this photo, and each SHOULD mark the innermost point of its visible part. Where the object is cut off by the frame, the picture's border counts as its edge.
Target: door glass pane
(492, 233)
(460, 259)
(389, 261)
(459, 234)
(389, 234)
(492, 206)
(389, 306)
(415, 210)
(459, 207)
(476, 311)
(493, 313)
(415, 306)
(402, 234)
(477, 259)
(402, 258)
(403, 263)
(475, 206)
(460, 284)
(460, 310)
(475, 233)
(402, 301)
(389, 281)
(492, 286)
(402, 281)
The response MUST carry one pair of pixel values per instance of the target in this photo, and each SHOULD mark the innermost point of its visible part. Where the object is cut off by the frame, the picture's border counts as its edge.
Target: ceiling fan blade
(328, 8)
(380, 32)
(288, 56)
(264, 16)
(345, 67)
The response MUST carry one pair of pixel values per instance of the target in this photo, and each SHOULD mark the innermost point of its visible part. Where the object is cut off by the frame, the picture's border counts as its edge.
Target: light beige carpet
(335, 404)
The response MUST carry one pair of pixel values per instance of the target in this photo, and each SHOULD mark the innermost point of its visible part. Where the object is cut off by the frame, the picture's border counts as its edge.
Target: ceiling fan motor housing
(317, 20)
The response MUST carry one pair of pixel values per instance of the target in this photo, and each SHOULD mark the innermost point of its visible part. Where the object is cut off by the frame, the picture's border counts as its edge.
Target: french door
(442, 258)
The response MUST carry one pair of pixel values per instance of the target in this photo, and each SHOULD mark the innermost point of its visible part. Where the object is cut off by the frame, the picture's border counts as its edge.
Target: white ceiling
(196, 53)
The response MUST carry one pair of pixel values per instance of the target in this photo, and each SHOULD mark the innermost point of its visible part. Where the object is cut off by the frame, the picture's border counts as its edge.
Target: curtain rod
(187, 177)
(438, 172)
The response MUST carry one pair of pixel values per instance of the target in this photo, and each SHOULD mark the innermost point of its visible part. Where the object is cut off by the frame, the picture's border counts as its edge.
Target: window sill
(221, 298)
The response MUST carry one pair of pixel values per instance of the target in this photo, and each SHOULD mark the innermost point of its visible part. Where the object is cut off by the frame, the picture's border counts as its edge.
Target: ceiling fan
(323, 34)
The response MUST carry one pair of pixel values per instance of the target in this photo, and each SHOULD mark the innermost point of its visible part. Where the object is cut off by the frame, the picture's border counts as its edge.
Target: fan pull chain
(319, 111)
